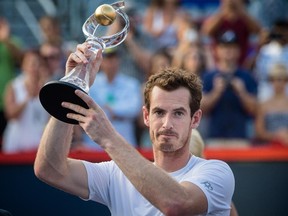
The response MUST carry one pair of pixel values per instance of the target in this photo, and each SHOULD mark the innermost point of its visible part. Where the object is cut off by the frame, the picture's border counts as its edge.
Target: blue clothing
(124, 97)
(275, 121)
(228, 118)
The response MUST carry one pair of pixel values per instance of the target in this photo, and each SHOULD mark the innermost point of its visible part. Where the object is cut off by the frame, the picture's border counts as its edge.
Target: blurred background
(239, 49)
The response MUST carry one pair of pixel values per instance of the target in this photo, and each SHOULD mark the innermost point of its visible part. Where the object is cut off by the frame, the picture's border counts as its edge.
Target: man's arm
(155, 185)
(212, 97)
(211, 24)
(52, 164)
(248, 100)
(6, 39)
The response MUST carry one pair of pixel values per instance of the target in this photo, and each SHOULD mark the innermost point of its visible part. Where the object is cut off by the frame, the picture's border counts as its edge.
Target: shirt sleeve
(98, 181)
(216, 180)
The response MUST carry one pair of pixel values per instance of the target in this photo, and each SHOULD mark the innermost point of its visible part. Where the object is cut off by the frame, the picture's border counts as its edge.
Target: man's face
(228, 52)
(110, 64)
(169, 119)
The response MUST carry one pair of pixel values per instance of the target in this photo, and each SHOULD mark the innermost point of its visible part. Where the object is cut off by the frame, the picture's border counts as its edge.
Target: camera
(227, 78)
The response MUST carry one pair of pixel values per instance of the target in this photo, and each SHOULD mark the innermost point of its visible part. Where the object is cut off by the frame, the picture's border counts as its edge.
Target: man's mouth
(167, 134)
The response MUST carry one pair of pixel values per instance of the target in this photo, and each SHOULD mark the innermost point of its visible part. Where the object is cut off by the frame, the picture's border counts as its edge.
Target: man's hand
(93, 120)
(238, 85)
(81, 56)
(219, 85)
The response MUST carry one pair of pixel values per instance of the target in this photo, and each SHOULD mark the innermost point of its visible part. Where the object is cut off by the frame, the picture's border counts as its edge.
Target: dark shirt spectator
(229, 92)
(228, 117)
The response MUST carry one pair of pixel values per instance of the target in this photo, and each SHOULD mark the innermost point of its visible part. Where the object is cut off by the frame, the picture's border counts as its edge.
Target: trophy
(53, 93)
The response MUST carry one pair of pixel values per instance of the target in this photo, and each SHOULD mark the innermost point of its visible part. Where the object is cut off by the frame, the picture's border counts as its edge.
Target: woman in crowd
(272, 117)
(160, 21)
(26, 116)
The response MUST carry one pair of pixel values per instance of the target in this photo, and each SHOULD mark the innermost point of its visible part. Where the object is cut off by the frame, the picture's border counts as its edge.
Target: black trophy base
(53, 93)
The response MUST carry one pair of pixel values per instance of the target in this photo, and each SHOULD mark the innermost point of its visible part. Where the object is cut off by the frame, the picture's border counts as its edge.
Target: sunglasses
(278, 79)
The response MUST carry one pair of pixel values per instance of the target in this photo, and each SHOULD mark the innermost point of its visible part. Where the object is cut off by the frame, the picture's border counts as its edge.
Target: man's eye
(159, 113)
(179, 113)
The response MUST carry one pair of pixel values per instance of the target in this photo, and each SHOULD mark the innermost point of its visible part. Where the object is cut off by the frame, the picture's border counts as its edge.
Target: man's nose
(167, 122)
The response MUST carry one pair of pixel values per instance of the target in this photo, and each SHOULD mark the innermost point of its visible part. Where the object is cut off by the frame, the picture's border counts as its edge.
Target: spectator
(53, 47)
(197, 145)
(55, 59)
(269, 11)
(119, 95)
(192, 60)
(229, 97)
(160, 59)
(160, 21)
(272, 115)
(51, 30)
(136, 50)
(275, 51)
(232, 15)
(189, 47)
(11, 56)
(26, 116)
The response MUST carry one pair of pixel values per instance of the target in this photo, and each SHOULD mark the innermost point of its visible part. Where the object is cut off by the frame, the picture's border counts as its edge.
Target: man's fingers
(76, 108)
(80, 57)
(87, 99)
(81, 113)
(77, 117)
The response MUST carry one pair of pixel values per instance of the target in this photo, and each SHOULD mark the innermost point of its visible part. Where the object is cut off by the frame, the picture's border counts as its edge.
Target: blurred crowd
(242, 62)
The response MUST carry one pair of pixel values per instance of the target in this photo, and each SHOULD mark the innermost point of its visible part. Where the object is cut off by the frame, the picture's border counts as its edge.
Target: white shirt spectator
(269, 54)
(124, 98)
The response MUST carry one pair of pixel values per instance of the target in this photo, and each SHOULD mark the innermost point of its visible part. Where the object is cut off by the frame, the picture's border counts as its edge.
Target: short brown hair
(170, 79)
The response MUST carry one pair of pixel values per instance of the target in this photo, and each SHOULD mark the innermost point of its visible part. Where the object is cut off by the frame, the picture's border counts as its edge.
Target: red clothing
(241, 30)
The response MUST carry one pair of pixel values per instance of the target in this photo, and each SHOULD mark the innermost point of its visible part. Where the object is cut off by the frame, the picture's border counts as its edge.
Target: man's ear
(196, 118)
(145, 115)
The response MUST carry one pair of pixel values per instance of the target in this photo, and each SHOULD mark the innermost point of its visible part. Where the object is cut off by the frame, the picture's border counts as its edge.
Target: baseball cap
(227, 37)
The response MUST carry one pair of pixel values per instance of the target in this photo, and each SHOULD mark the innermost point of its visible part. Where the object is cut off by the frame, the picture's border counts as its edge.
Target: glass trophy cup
(53, 93)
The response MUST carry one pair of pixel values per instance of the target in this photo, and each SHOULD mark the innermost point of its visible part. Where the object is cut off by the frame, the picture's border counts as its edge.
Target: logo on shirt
(207, 185)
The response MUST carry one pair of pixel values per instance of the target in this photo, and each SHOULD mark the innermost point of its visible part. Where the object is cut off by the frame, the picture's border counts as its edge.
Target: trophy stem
(80, 75)
(54, 93)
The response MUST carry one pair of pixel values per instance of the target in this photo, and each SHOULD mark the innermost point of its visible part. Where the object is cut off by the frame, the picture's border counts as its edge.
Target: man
(229, 98)
(177, 183)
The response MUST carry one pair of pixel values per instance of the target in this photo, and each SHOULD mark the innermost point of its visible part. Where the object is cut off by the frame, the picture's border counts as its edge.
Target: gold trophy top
(105, 14)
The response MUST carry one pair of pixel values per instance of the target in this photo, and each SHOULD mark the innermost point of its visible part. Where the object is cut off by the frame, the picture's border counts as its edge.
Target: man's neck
(227, 66)
(111, 76)
(171, 162)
